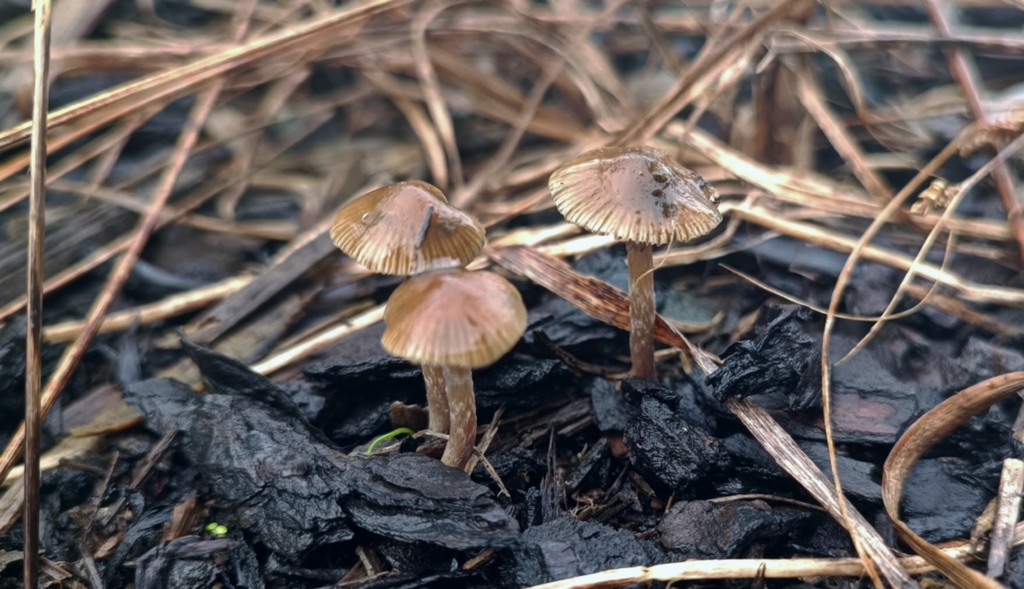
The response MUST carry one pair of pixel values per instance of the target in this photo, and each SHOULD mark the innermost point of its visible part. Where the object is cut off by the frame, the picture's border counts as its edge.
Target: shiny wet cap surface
(454, 318)
(407, 228)
(635, 193)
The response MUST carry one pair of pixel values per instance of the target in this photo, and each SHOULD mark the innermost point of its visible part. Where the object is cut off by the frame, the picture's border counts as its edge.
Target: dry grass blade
(174, 82)
(965, 289)
(811, 95)
(703, 570)
(792, 459)
(592, 296)
(319, 341)
(168, 308)
(961, 70)
(679, 96)
(924, 433)
(961, 192)
(34, 295)
(432, 92)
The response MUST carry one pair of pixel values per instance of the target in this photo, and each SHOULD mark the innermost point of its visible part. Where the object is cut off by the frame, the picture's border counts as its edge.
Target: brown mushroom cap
(636, 194)
(453, 318)
(406, 228)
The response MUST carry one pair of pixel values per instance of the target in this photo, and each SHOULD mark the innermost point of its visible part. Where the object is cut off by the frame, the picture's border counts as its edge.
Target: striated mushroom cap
(635, 194)
(454, 318)
(407, 228)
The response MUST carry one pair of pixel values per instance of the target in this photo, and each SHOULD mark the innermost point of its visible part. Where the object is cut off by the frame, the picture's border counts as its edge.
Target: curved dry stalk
(929, 429)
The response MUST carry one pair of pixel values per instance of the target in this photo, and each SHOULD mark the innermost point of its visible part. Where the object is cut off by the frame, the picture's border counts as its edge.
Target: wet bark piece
(782, 360)
(699, 529)
(567, 547)
(667, 449)
(185, 563)
(294, 488)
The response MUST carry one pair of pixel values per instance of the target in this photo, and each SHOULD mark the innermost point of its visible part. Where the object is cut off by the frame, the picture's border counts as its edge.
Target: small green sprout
(216, 530)
(402, 431)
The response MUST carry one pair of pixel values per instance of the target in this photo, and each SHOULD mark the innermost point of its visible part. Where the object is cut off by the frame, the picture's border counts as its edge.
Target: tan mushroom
(643, 197)
(404, 229)
(407, 228)
(455, 320)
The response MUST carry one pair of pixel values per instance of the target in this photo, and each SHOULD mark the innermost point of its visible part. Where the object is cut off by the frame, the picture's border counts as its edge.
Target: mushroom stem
(437, 399)
(462, 406)
(641, 308)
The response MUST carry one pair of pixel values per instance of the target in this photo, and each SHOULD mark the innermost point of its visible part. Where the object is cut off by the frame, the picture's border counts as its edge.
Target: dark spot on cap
(660, 178)
(702, 184)
(657, 193)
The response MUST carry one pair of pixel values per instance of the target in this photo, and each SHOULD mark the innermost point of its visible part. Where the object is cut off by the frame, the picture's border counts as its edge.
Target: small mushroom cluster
(446, 319)
(450, 320)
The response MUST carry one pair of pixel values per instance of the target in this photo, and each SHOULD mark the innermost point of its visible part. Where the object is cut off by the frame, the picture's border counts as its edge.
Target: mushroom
(455, 321)
(407, 228)
(404, 229)
(642, 196)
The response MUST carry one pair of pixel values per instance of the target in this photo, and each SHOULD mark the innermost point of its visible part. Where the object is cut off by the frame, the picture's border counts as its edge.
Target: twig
(34, 307)
(1011, 484)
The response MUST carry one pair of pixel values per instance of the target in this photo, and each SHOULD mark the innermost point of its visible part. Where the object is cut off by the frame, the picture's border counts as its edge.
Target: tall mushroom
(458, 320)
(408, 228)
(643, 197)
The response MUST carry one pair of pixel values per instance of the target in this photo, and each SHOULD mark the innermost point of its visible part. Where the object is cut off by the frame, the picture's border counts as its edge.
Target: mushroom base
(641, 308)
(462, 409)
(437, 399)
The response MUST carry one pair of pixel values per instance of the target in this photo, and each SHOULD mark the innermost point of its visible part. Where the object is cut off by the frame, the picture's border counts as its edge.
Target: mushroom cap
(453, 318)
(635, 194)
(407, 228)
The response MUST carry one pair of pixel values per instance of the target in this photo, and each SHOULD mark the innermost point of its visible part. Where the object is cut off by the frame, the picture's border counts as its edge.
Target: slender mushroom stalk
(409, 228)
(437, 399)
(643, 197)
(640, 258)
(457, 320)
(462, 407)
